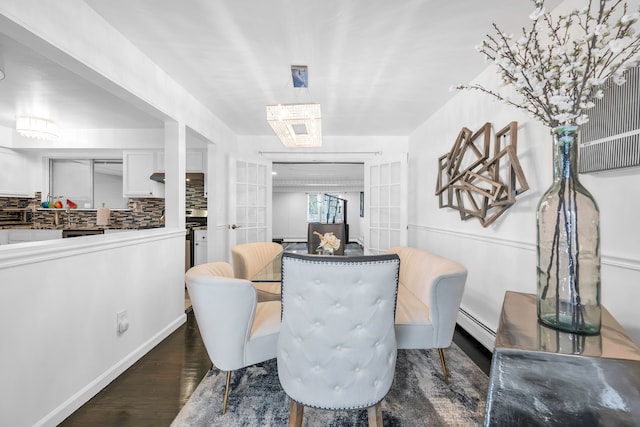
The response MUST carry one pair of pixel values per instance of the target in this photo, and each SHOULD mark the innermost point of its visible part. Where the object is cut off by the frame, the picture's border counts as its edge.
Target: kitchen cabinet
(137, 168)
(13, 173)
(199, 247)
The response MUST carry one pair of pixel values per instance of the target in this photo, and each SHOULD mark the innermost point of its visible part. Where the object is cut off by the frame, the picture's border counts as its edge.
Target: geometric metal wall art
(480, 182)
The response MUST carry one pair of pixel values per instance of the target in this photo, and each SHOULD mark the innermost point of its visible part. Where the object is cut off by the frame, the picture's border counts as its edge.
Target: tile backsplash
(141, 212)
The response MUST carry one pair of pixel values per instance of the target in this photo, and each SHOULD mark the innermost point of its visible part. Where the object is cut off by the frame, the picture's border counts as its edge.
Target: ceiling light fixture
(36, 127)
(297, 125)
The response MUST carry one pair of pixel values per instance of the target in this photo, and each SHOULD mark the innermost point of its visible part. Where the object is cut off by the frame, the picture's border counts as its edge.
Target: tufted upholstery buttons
(340, 338)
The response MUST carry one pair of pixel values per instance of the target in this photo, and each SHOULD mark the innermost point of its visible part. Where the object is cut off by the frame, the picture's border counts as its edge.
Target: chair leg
(226, 393)
(374, 414)
(444, 365)
(296, 411)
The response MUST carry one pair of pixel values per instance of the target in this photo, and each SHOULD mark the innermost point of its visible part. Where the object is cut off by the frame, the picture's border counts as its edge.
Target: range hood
(190, 176)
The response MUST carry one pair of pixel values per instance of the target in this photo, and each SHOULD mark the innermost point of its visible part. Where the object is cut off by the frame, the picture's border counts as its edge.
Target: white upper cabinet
(137, 169)
(13, 174)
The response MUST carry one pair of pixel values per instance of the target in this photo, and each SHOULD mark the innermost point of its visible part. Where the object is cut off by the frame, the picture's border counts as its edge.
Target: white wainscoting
(496, 265)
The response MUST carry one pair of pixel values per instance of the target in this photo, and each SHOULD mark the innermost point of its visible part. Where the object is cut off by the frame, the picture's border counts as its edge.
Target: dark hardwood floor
(154, 389)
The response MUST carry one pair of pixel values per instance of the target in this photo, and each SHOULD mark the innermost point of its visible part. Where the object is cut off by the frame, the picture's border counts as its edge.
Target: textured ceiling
(377, 67)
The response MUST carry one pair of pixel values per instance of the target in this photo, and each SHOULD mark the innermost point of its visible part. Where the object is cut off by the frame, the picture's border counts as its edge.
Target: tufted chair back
(337, 345)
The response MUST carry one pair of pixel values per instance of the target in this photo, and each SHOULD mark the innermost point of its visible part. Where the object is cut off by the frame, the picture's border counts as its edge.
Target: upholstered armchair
(337, 345)
(313, 240)
(249, 259)
(429, 294)
(222, 269)
(237, 331)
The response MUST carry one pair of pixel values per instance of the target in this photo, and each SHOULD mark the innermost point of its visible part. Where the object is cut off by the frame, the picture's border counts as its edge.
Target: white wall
(290, 215)
(503, 256)
(58, 305)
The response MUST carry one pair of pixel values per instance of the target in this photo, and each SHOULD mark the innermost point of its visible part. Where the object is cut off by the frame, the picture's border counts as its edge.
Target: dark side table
(544, 377)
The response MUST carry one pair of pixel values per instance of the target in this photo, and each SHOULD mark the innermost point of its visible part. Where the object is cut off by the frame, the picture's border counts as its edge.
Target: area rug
(418, 397)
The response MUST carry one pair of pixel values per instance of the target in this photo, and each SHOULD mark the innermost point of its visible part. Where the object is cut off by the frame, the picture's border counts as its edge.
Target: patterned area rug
(418, 396)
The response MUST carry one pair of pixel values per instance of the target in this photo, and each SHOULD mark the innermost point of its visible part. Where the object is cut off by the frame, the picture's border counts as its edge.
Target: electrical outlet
(122, 321)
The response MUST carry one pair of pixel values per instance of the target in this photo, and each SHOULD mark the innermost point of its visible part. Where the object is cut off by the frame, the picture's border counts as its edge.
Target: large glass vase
(568, 244)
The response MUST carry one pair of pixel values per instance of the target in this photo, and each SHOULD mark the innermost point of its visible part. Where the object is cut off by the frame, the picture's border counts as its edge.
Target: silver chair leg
(444, 365)
(226, 393)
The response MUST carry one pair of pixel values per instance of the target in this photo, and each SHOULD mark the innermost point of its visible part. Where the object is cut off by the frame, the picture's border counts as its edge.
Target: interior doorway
(295, 183)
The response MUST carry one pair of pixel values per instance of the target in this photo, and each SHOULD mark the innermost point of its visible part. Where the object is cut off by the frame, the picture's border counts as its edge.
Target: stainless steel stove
(194, 219)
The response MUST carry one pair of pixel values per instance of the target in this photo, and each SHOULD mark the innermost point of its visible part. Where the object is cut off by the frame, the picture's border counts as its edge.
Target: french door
(385, 196)
(249, 201)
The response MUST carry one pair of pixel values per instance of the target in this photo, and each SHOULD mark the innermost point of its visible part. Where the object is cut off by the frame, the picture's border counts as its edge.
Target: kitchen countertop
(66, 227)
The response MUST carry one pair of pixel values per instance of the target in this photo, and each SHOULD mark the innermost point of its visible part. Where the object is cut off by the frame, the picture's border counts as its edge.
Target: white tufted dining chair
(337, 345)
(237, 331)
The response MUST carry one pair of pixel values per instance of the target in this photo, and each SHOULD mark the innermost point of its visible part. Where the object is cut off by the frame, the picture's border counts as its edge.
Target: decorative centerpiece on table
(557, 69)
(329, 243)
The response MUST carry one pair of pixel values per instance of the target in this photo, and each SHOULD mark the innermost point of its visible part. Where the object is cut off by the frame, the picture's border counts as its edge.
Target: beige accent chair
(429, 295)
(236, 329)
(249, 259)
(222, 269)
(337, 344)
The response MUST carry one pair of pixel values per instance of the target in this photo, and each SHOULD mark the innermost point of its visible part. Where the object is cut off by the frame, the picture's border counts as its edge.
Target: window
(325, 208)
(90, 183)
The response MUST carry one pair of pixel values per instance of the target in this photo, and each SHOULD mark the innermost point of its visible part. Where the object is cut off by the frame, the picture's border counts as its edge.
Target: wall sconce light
(38, 128)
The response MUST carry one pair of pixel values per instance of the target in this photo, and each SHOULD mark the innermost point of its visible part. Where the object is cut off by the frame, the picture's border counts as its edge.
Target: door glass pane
(262, 216)
(394, 196)
(262, 195)
(241, 172)
(384, 174)
(252, 195)
(395, 173)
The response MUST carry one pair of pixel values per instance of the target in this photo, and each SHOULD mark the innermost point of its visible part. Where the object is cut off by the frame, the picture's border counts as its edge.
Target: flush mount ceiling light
(297, 125)
(36, 127)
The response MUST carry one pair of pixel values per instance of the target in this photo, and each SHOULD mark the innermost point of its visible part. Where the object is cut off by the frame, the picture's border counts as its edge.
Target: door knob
(233, 226)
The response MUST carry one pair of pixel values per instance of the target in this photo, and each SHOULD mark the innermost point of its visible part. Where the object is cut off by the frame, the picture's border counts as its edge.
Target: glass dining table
(271, 272)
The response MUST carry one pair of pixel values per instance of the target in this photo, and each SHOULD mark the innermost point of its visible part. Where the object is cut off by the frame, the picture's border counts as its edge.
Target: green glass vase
(568, 245)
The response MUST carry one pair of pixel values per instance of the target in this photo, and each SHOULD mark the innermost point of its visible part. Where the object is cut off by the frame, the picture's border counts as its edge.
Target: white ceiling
(38, 86)
(377, 67)
(316, 176)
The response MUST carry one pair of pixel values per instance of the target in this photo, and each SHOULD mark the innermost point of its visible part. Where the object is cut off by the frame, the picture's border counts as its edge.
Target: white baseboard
(72, 404)
(477, 329)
